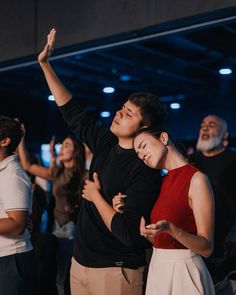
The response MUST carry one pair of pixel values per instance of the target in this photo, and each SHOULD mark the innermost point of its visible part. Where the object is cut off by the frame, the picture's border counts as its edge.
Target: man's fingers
(96, 180)
(142, 226)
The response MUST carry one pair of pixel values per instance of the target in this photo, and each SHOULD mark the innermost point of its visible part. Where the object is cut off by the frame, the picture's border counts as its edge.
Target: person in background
(67, 181)
(44, 243)
(17, 270)
(217, 160)
(182, 220)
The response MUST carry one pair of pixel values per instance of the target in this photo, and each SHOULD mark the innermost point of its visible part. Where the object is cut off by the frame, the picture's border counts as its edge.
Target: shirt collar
(4, 163)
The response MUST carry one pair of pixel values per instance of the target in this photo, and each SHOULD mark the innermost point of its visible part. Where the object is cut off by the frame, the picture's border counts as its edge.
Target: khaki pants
(105, 281)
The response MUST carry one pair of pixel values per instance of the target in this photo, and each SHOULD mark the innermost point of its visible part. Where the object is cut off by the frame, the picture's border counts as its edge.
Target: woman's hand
(91, 188)
(151, 230)
(118, 202)
(48, 49)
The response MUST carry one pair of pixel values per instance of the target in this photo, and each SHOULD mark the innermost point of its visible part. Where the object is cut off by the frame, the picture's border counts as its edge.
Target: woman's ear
(164, 138)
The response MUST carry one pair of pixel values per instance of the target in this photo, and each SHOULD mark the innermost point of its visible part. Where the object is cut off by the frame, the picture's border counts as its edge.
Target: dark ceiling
(179, 67)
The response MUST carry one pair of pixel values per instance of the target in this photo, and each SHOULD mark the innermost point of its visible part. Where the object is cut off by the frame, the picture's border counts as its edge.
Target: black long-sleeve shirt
(119, 170)
(221, 171)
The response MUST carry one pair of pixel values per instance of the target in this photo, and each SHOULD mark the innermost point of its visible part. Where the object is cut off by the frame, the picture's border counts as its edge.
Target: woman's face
(67, 150)
(150, 150)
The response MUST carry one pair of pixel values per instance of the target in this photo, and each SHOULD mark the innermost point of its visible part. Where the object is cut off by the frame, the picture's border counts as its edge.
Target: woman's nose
(141, 155)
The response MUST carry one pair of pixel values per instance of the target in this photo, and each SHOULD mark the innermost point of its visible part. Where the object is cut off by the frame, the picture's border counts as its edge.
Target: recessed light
(175, 106)
(51, 98)
(225, 71)
(108, 89)
(125, 78)
(105, 114)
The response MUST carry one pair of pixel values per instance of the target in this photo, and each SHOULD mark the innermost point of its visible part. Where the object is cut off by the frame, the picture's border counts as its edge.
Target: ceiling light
(125, 78)
(108, 89)
(175, 106)
(51, 98)
(225, 71)
(105, 114)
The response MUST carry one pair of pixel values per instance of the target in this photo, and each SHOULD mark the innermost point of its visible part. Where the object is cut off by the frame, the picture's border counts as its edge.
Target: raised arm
(61, 94)
(53, 157)
(34, 169)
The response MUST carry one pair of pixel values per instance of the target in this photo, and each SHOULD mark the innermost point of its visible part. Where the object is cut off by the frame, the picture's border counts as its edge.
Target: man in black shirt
(109, 253)
(218, 162)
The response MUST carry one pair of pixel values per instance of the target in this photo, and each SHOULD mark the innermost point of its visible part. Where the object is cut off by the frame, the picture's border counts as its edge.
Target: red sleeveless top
(172, 205)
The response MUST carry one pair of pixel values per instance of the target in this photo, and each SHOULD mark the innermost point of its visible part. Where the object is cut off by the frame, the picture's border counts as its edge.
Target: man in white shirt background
(16, 252)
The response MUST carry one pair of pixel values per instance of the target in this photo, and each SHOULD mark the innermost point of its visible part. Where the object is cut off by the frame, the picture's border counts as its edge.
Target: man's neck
(214, 152)
(126, 143)
(3, 156)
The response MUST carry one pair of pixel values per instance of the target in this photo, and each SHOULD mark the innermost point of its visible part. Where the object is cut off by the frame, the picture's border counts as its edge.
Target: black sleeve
(141, 196)
(82, 124)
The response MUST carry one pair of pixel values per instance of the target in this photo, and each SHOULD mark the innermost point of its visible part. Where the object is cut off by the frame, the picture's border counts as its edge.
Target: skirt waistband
(170, 254)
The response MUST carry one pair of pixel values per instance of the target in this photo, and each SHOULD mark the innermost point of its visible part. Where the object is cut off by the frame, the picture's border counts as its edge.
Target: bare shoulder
(200, 186)
(199, 178)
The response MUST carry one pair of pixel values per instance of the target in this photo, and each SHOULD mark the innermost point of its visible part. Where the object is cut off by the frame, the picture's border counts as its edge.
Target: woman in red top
(182, 220)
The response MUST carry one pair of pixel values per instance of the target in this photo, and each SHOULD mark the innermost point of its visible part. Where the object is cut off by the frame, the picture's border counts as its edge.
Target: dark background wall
(24, 23)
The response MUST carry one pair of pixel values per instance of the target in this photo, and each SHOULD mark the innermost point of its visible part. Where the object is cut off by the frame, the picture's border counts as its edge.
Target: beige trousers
(105, 281)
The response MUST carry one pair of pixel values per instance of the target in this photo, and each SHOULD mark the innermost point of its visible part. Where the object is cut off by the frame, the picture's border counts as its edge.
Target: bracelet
(178, 234)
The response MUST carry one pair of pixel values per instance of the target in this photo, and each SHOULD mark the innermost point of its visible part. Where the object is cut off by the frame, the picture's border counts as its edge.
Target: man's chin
(113, 129)
(208, 145)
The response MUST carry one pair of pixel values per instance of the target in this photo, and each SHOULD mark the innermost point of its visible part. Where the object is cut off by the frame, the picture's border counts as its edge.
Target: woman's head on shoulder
(151, 146)
(158, 150)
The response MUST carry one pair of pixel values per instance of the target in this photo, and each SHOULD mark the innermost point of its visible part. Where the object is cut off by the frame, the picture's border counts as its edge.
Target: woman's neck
(174, 159)
(69, 163)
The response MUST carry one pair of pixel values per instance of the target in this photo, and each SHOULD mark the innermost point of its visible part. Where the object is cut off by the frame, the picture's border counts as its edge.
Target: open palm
(48, 49)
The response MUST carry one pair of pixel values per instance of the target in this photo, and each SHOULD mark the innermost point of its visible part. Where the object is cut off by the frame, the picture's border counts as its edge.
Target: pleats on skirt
(178, 272)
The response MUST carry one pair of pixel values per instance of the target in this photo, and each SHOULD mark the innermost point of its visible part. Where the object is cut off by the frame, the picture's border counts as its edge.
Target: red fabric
(172, 205)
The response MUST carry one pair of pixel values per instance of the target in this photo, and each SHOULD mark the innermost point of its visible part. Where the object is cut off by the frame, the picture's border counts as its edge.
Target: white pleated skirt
(178, 272)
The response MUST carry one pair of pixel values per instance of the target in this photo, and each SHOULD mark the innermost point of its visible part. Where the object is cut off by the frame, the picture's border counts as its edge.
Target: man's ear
(5, 142)
(144, 126)
(225, 140)
(225, 137)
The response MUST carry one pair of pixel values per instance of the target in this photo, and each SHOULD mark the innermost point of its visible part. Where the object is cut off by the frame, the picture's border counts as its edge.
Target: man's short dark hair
(151, 108)
(10, 128)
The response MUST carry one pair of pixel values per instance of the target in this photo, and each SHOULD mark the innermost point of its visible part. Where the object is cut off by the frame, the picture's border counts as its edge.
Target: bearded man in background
(218, 162)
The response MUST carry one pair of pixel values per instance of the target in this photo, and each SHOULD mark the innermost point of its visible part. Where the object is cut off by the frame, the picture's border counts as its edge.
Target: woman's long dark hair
(76, 182)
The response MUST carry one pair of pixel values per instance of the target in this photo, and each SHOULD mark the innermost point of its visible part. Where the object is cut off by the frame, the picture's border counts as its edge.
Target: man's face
(127, 121)
(211, 134)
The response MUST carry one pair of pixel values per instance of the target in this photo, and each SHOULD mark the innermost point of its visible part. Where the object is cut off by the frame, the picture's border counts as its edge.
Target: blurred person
(216, 159)
(67, 181)
(17, 269)
(109, 253)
